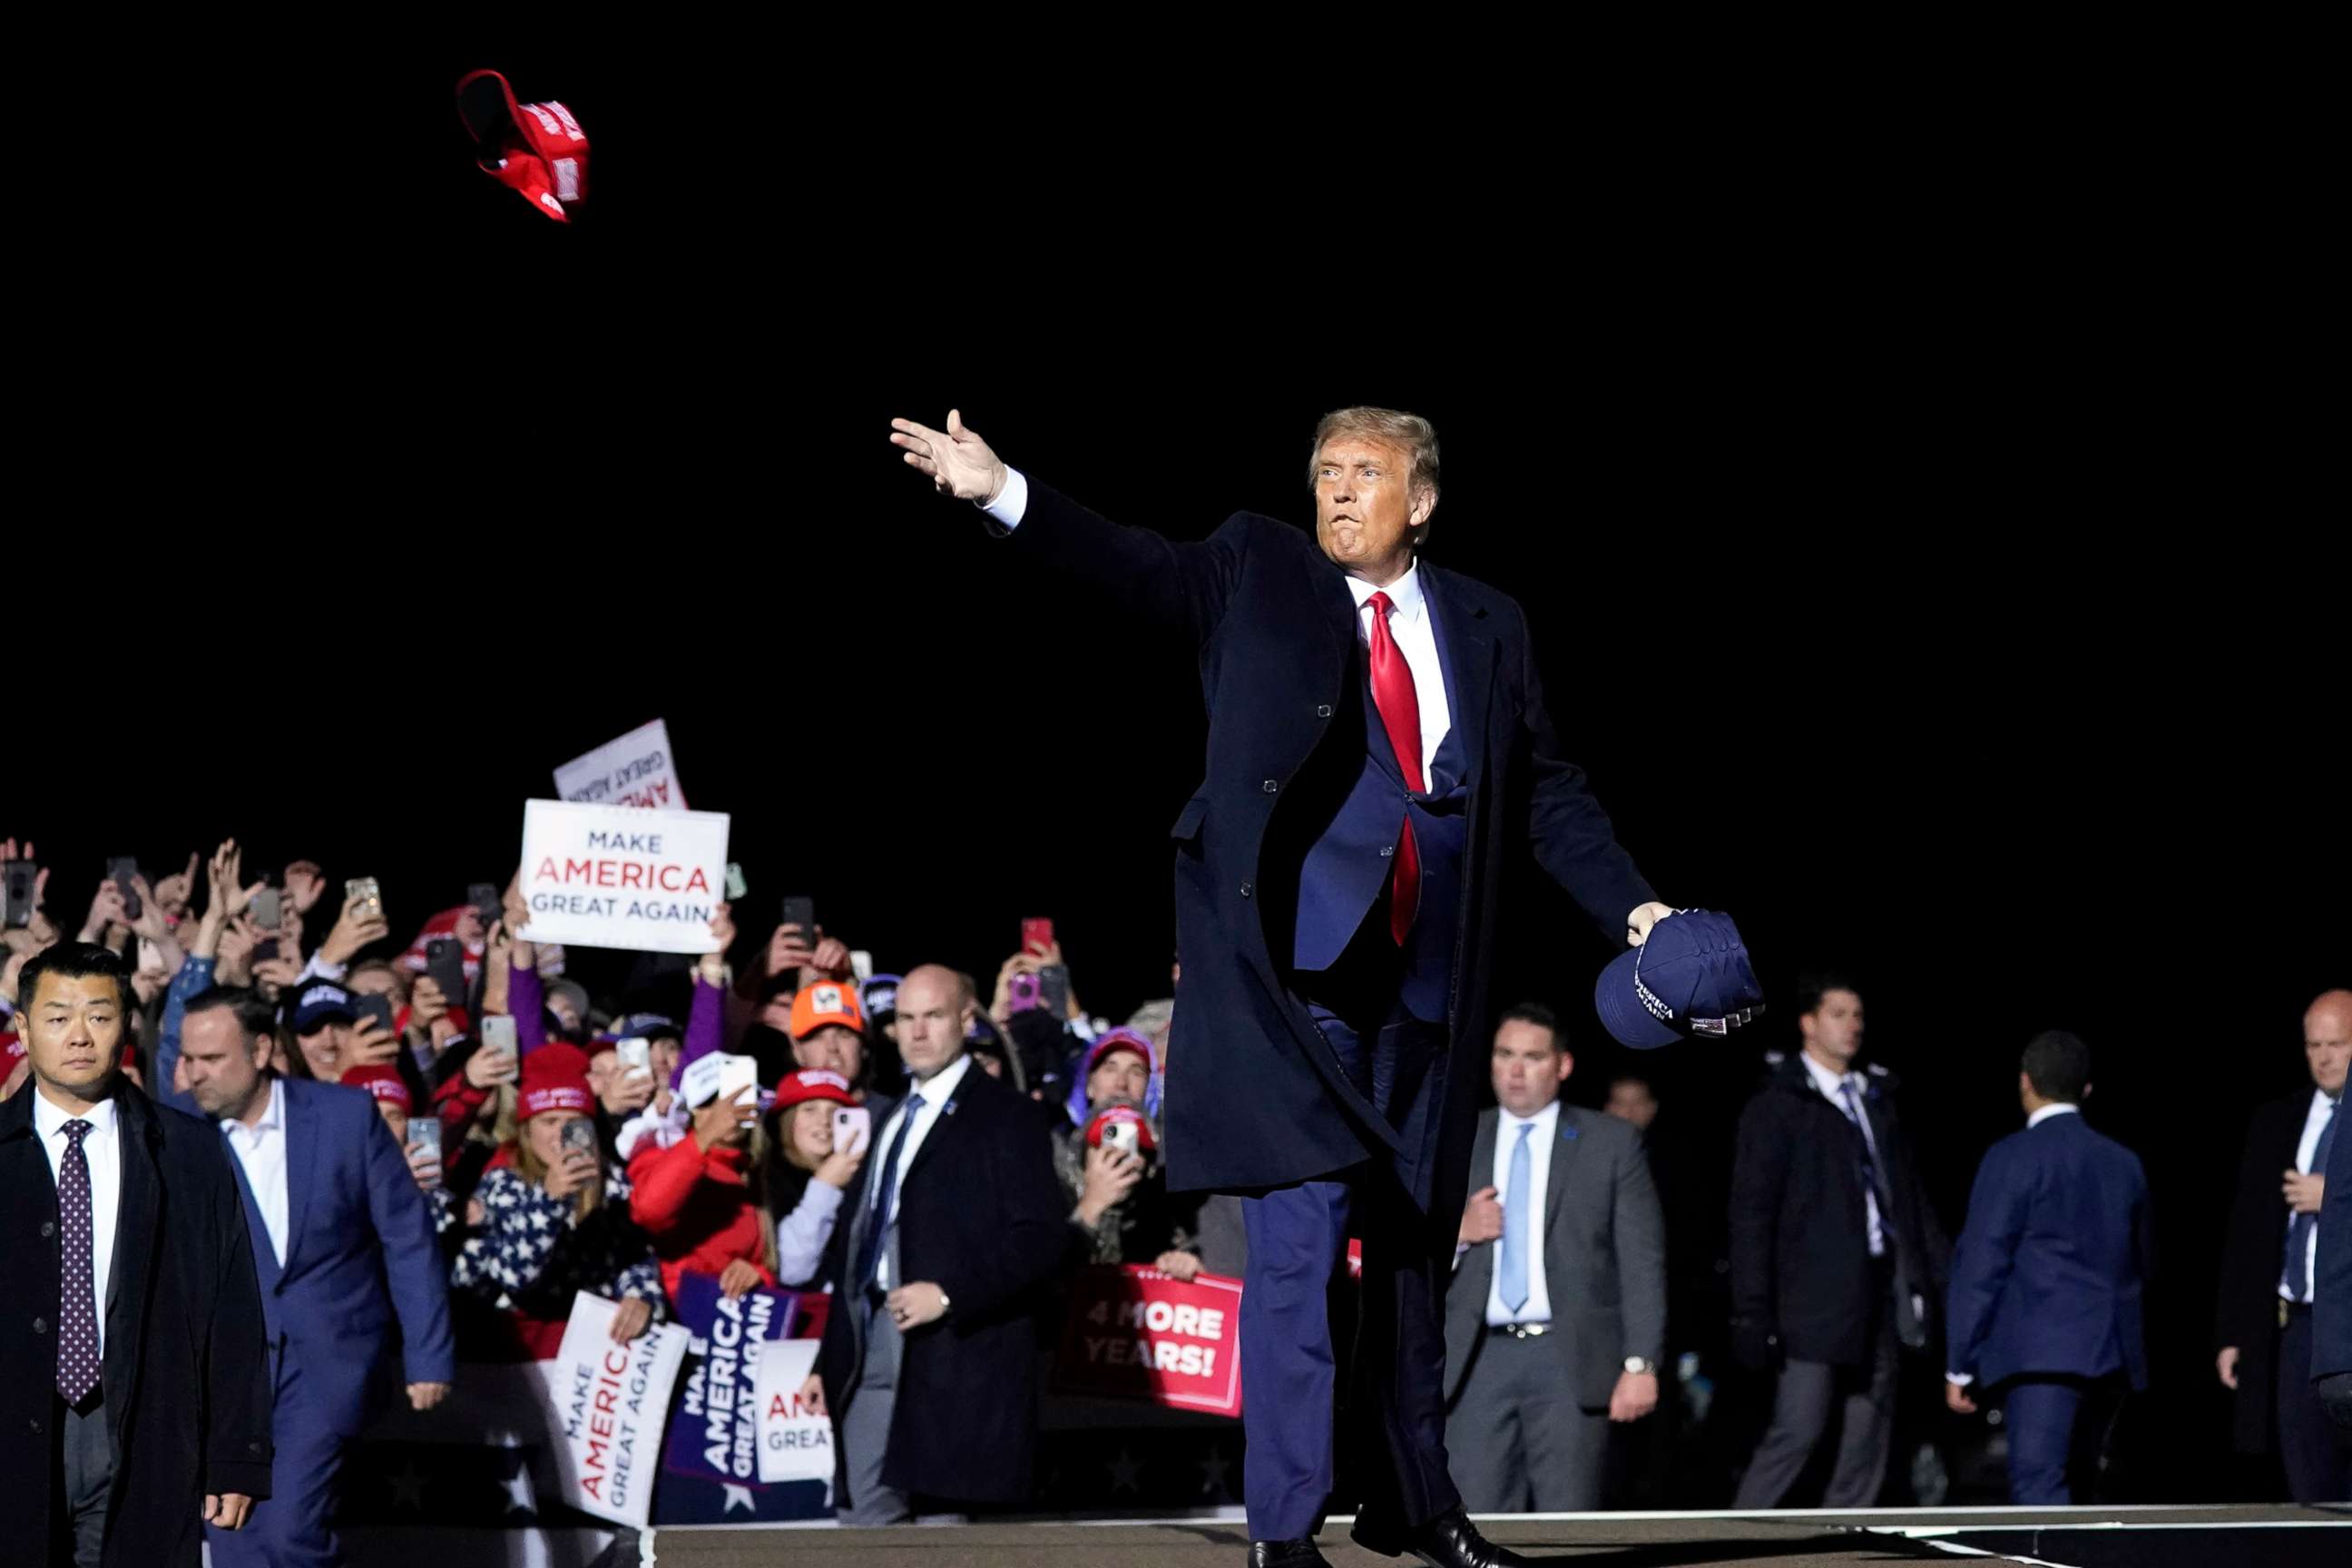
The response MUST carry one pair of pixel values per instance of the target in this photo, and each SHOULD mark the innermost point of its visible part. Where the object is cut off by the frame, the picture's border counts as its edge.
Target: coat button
(49, 1227)
(1270, 786)
(1245, 889)
(253, 1448)
(1387, 850)
(1322, 711)
(40, 1325)
(36, 1423)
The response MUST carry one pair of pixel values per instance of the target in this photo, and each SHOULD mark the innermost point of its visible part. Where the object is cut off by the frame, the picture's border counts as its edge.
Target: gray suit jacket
(1604, 1253)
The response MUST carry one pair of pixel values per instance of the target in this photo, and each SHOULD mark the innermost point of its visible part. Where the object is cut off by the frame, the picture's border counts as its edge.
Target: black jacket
(981, 1215)
(2253, 1256)
(1800, 1231)
(186, 1381)
(1281, 675)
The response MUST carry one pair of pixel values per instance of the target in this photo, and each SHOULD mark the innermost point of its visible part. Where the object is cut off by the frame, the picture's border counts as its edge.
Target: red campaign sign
(1135, 1333)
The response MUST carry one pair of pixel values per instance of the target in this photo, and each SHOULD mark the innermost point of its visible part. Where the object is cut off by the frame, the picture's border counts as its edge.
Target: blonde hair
(1414, 436)
(585, 1201)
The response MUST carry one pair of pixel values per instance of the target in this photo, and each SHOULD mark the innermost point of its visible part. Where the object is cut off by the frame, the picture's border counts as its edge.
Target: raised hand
(956, 460)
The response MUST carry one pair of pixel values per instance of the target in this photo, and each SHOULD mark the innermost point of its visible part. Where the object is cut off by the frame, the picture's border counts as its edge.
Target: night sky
(1913, 560)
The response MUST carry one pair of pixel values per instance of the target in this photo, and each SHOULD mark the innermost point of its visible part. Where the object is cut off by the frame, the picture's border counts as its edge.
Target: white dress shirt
(2307, 1149)
(1409, 623)
(1537, 1308)
(261, 1150)
(1832, 1086)
(936, 1093)
(101, 1149)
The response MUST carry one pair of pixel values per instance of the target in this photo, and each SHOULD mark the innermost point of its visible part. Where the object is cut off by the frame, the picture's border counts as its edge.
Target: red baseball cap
(536, 149)
(382, 1080)
(554, 1078)
(812, 1083)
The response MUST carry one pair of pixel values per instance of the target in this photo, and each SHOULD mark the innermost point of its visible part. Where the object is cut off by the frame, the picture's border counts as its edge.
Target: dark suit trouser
(1297, 1238)
(1813, 1397)
(83, 1466)
(2057, 1428)
(294, 1527)
(2318, 1452)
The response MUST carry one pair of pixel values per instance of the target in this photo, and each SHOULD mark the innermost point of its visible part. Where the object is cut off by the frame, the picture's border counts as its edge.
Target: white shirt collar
(2062, 1108)
(943, 1086)
(48, 1120)
(1404, 595)
(1828, 1081)
(1543, 1122)
(271, 1120)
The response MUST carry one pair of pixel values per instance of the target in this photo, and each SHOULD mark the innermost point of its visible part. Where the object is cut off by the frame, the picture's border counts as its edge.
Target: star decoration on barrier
(1212, 1474)
(1124, 1472)
(739, 1494)
(521, 1497)
(407, 1486)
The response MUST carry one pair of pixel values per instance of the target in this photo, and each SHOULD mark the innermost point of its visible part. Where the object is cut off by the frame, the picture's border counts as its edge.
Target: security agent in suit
(134, 1392)
(929, 1366)
(2331, 1317)
(2274, 1287)
(1377, 747)
(1836, 1257)
(2048, 1281)
(343, 1246)
(1556, 1318)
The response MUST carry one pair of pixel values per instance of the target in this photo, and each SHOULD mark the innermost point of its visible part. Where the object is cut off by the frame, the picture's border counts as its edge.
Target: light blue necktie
(1516, 1205)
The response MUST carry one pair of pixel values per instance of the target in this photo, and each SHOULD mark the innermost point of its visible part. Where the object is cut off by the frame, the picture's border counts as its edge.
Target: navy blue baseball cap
(320, 1002)
(1691, 977)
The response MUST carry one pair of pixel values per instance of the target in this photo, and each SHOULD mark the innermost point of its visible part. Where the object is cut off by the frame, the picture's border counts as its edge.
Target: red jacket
(698, 1210)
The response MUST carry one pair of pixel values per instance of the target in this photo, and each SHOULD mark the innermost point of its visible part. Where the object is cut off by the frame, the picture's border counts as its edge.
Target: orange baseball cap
(826, 1002)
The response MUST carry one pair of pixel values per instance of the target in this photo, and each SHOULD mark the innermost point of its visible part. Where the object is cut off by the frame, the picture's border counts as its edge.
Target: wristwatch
(1641, 1366)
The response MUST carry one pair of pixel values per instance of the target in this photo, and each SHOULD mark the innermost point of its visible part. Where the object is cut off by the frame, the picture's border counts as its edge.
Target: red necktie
(1399, 707)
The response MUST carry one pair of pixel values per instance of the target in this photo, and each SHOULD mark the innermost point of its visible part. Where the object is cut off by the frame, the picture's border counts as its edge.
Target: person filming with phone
(1110, 1165)
(548, 1228)
(817, 1138)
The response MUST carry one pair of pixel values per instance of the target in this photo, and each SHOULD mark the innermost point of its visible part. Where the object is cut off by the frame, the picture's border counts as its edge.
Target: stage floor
(2281, 1536)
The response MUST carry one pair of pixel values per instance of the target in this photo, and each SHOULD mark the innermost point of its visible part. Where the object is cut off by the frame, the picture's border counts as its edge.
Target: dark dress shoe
(1449, 1541)
(1287, 1554)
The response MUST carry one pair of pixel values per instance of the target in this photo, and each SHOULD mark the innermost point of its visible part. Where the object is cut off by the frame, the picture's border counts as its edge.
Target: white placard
(609, 1404)
(795, 1442)
(634, 771)
(606, 876)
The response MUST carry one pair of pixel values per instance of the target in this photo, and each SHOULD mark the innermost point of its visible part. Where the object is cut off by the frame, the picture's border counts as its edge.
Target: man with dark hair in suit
(1556, 1319)
(134, 1391)
(2273, 1281)
(1379, 747)
(1835, 1256)
(2048, 1279)
(343, 1245)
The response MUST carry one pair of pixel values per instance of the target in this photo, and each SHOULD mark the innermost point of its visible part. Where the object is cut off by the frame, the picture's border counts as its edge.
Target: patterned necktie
(1517, 1205)
(869, 1253)
(1400, 706)
(78, 1298)
(2299, 1229)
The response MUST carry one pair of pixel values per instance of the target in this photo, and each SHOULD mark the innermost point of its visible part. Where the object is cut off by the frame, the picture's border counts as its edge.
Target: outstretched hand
(956, 460)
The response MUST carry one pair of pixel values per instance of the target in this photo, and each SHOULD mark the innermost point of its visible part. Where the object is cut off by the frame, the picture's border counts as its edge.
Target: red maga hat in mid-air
(538, 149)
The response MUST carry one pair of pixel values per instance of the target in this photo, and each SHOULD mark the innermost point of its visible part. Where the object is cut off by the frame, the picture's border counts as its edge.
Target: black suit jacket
(1256, 1098)
(981, 1213)
(2254, 1256)
(186, 1380)
(1800, 1231)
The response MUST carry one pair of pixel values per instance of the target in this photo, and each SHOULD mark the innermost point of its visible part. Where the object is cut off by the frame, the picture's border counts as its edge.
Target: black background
(1911, 511)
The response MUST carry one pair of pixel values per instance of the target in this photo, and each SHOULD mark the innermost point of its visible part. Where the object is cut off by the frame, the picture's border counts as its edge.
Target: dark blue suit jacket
(360, 1258)
(2331, 1294)
(2053, 1262)
(1257, 1100)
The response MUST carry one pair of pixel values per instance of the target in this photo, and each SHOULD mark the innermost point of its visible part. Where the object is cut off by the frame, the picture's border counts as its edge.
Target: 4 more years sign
(1135, 1333)
(605, 876)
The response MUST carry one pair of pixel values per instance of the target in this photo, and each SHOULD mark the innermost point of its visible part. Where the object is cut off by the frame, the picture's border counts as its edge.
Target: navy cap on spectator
(1691, 977)
(645, 1025)
(320, 1002)
(880, 996)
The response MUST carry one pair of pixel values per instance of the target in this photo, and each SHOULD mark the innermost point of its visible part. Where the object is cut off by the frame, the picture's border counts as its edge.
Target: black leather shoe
(1287, 1554)
(1449, 1541)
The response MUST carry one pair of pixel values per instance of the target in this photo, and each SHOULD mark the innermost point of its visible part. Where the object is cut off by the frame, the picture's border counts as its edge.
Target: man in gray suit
(1556, 1316)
